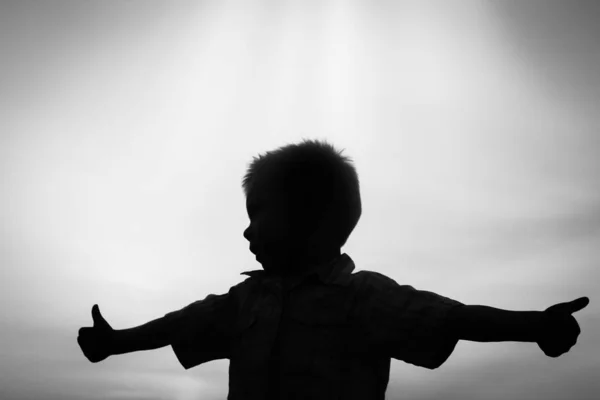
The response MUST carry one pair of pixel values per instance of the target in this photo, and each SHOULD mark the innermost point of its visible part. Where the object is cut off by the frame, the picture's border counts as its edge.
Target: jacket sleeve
(407, 324)
(203, 329)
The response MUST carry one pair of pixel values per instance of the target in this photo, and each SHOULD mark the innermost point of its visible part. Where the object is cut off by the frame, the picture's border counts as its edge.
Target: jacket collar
(335, 272)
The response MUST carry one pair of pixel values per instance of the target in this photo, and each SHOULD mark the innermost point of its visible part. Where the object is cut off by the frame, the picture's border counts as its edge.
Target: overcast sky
(126, 128)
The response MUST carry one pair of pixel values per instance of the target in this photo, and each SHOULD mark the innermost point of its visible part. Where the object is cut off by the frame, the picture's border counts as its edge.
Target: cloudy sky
(126, 128)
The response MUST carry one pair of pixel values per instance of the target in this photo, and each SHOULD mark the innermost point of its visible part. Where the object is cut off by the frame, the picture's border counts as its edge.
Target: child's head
(303, 201)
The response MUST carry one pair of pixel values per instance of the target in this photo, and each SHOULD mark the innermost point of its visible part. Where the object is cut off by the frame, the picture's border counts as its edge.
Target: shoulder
(248, 290)
(248, 285)
(371, 280)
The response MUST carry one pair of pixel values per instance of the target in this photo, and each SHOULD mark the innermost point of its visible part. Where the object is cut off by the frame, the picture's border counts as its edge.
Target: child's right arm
(152, 335)
(198, 333)
(101, 341)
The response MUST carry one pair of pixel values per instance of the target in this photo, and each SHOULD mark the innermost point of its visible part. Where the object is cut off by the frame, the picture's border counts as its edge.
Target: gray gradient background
(126, 128)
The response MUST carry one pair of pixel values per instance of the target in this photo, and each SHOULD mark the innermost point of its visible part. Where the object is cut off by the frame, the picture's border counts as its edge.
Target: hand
(560, 330)
(96, 341)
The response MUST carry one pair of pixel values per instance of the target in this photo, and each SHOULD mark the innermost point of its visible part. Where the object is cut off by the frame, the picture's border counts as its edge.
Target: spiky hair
(318, 183)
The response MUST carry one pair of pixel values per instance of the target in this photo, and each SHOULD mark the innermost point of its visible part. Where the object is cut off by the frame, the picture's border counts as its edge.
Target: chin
(268, 266)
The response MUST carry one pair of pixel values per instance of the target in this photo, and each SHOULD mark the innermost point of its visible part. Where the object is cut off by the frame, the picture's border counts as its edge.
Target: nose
(247, 233)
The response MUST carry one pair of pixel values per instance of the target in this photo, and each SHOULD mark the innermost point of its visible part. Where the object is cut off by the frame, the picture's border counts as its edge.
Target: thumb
(577, 305)
(97, 317)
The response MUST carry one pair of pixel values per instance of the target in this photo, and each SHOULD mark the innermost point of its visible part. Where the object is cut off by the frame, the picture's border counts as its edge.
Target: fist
(560, 330)
(96, 341)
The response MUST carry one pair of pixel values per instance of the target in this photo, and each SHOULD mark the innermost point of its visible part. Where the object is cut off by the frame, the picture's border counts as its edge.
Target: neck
(297, 266)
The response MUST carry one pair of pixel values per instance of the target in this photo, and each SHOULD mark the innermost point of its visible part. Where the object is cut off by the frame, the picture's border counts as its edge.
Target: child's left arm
(555, 330)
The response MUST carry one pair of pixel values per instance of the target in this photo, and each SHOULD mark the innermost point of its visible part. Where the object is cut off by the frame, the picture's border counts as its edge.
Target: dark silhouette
(306, 326)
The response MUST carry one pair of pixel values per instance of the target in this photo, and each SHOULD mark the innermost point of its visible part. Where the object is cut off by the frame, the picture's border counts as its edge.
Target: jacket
(328, 334)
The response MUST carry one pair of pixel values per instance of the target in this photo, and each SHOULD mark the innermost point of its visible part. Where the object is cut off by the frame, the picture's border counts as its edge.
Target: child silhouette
(306, 326)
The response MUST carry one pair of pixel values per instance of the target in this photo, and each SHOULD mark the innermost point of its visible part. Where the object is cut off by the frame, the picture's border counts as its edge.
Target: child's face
(270, 233)
(278, 237)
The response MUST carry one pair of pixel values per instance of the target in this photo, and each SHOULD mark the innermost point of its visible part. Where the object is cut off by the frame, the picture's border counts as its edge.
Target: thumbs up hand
(96, 341)
(559, 330)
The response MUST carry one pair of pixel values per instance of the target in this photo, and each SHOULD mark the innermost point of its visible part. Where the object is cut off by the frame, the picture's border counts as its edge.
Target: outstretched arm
(101, 340)
(555, 330)
(152, 335)
(488, 324)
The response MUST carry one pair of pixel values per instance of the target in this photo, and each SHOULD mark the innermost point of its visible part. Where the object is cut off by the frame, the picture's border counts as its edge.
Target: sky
(126, 129)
